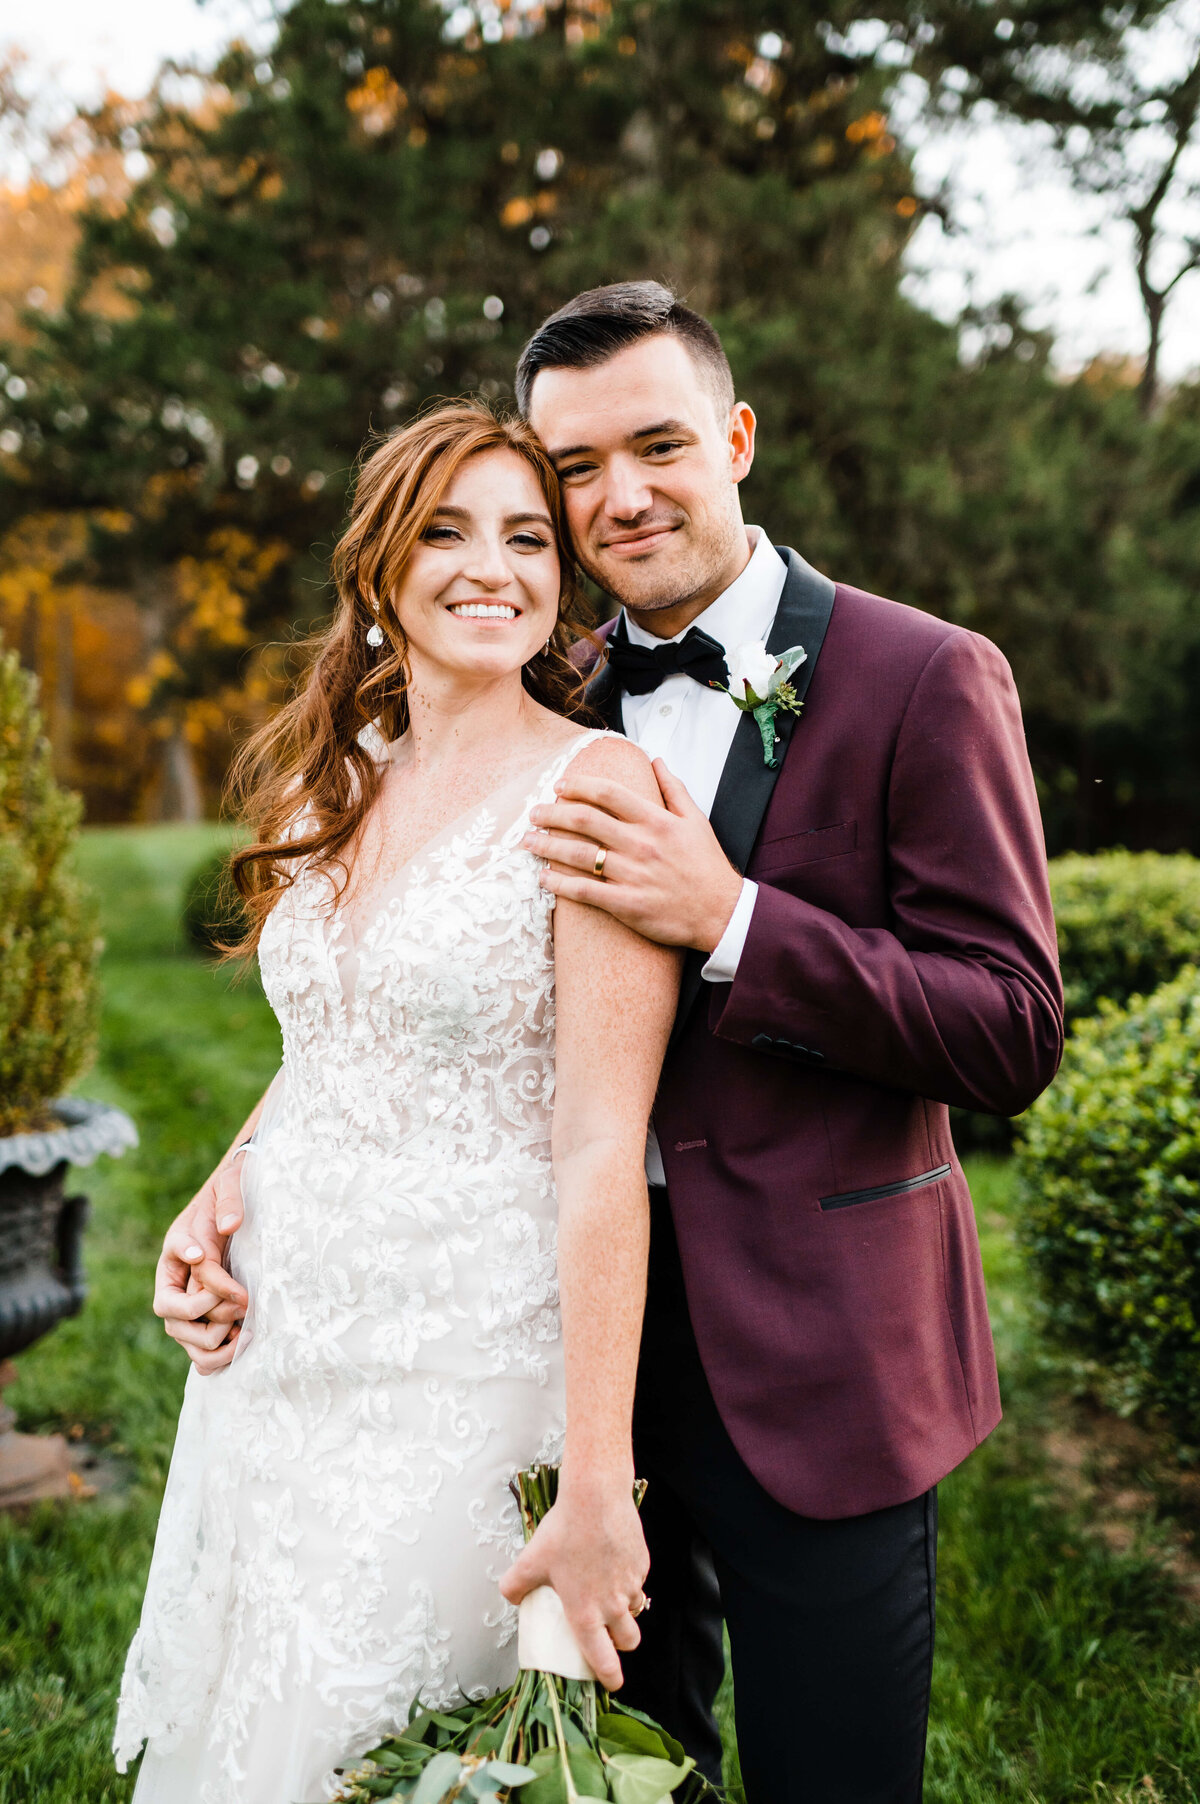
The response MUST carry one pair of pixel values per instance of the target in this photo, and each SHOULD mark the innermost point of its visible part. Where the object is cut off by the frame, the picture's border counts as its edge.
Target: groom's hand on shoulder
(664, 872)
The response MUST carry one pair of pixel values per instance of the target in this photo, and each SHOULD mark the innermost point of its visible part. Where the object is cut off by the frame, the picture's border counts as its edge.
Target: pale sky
(1025, 230)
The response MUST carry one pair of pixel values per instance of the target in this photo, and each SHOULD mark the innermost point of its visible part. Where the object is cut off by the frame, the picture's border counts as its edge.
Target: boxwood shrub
(1109, 1183)
(1127, 921)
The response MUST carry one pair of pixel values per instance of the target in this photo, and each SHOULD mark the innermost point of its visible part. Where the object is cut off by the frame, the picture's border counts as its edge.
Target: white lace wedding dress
(337, 1512)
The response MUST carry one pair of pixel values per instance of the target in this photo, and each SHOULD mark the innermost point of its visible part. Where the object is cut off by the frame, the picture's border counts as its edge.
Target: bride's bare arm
(197, 1299)
(616, 996)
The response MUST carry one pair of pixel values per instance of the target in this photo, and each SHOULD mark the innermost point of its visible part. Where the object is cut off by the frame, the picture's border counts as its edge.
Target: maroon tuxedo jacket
(901, 958)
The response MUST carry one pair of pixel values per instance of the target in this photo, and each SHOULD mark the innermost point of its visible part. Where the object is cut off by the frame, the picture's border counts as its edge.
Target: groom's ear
(741, 430)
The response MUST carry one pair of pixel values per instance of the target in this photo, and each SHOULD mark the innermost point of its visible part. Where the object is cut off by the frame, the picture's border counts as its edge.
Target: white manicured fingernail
(193, 1252)
(225, 1222)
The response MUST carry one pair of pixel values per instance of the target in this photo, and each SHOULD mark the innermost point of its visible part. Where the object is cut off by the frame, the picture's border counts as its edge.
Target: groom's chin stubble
(657, 584)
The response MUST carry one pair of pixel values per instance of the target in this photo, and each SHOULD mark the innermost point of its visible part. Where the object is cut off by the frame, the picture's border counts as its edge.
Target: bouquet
(546, 1740)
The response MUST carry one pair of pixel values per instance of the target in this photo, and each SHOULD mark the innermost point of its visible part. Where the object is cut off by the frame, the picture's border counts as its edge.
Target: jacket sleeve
(959, 997)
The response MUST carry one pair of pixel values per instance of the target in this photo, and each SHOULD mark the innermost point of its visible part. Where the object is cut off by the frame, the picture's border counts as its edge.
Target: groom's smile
(642, 543)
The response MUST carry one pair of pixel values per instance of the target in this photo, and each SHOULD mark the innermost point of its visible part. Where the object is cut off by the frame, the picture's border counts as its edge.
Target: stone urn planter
(41, 1269)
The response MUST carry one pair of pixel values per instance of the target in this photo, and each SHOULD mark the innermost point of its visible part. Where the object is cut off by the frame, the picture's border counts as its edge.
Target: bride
(444, 1244)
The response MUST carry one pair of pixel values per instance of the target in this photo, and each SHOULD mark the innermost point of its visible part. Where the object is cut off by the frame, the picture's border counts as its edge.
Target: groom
(870, 940)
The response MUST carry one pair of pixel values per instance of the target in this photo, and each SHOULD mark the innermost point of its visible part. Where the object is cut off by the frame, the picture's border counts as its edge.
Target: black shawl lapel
(747, 781)
(604, 695)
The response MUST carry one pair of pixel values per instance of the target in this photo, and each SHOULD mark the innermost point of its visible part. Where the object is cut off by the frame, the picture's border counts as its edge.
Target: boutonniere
(758, 685)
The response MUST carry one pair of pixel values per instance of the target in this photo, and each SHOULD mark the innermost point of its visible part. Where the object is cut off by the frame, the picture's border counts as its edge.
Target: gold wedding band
(598, 867)
(640, 1605)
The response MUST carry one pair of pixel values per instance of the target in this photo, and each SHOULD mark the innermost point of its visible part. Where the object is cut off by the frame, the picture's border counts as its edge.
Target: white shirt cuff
(722, 966)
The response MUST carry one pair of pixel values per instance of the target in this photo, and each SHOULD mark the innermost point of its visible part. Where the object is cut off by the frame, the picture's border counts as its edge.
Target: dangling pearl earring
(546, 649)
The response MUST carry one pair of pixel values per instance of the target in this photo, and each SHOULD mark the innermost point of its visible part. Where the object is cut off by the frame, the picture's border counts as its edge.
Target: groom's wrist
(720, 906)
(722, 963)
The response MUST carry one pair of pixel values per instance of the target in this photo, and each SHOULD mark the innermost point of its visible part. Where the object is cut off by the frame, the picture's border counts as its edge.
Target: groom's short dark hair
(595, 326)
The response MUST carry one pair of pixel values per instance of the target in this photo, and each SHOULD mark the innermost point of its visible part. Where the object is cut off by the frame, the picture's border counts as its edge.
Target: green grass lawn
(1064, 1671)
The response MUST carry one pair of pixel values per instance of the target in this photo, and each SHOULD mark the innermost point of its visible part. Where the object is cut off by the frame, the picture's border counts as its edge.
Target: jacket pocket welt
(807, 847)
(848, 1197)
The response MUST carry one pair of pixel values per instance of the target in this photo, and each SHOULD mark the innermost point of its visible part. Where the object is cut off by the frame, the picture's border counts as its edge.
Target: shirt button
(666, 710)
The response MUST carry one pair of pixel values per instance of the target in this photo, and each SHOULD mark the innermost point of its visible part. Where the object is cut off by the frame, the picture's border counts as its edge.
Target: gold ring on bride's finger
(598, 867)
(640, 1605)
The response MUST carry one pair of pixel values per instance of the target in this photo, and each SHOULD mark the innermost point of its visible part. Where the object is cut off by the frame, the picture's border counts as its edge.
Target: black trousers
(830, 1623)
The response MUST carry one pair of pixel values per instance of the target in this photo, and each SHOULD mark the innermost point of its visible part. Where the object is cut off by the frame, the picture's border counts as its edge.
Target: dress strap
(543, 789)
(553, 771)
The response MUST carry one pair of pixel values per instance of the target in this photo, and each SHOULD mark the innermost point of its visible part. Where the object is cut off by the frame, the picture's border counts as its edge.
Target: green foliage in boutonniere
(758, 685)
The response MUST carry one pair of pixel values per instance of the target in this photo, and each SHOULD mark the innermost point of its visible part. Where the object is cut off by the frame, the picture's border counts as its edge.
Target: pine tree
(381, 209)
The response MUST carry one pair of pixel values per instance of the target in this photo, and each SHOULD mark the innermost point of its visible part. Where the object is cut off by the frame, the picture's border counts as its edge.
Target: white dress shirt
(691, 729)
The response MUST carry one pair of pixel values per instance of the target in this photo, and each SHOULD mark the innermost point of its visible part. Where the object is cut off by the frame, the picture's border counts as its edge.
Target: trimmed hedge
(213, 912)
(1127, 921)
(1109, 1176)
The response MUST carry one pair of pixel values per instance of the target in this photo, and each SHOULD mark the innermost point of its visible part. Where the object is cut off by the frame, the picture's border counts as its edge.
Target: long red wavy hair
(303, 782)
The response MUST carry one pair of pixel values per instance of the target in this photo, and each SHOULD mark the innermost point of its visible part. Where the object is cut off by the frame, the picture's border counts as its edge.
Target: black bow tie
(639, 669)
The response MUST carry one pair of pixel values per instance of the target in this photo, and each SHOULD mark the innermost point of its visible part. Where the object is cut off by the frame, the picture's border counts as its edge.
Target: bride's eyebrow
(510, 520)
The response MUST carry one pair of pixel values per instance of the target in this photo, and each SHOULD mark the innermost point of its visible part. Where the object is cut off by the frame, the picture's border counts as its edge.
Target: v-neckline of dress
(345, 939)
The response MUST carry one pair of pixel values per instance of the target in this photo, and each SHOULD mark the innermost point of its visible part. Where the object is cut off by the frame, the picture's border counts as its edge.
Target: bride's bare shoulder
(615, 759)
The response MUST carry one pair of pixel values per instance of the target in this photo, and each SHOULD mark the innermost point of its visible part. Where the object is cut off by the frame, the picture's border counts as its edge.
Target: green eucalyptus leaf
(640, 1779)
(791, 660)
(510, 1773)
(587, 1770)
(615, 1707)
(439, 1777)
(626, 1735)
(549, 1786)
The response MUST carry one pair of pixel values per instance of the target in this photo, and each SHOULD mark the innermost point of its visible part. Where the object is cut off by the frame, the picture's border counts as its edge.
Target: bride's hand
(193, 1293)
(591, 1549)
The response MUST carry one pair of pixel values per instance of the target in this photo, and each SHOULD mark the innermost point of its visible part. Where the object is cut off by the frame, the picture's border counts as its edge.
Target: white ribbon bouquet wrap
(545, 1642)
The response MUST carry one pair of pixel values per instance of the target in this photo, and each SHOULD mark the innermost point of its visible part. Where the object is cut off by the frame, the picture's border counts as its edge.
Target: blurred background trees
(230, 282)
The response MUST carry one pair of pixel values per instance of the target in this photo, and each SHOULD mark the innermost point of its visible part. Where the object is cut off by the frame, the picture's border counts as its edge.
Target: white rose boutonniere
(758, 685)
